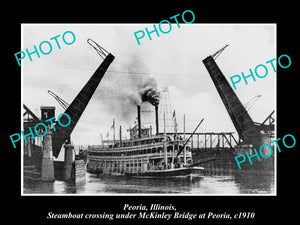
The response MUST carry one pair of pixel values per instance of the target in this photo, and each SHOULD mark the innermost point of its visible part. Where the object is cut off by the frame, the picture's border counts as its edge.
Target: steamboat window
(153, 150)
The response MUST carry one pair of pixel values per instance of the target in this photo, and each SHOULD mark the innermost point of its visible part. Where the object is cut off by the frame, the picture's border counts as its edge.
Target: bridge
(211, 140)
(52, 143)
(212, 149)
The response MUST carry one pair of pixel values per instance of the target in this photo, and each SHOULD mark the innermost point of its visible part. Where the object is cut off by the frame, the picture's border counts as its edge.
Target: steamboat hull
(178, 172)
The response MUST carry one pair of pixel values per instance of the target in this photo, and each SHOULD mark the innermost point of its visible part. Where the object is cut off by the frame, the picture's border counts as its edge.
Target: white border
(157, 194)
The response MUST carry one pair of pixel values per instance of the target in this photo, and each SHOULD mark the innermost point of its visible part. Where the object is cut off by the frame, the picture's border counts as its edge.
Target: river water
(214, 183)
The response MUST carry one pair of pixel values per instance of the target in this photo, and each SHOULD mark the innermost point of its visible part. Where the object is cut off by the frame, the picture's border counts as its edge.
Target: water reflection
(222, 183)
(253, 182)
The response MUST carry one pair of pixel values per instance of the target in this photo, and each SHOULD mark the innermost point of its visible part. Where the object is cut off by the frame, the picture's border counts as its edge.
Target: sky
(173, 60)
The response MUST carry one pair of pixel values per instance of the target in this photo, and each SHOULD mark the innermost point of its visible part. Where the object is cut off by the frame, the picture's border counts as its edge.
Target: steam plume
(148, 92)
(121, 92)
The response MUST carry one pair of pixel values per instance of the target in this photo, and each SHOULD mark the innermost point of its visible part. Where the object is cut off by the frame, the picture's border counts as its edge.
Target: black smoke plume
(148, 92)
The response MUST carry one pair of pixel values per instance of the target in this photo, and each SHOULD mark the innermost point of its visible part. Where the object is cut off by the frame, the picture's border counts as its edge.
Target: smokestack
(139, 120)
(120, 136)
(156, 119)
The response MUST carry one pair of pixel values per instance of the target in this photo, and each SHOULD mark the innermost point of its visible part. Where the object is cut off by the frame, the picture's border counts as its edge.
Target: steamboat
(144, 154)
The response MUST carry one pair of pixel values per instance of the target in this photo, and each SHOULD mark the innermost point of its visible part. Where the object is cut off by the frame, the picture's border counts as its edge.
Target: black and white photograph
(148, 113)
(164, 109)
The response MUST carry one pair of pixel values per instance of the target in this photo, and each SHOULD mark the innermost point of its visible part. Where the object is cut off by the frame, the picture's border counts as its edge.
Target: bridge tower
(248, 131)
(166, 108)
(76, 108)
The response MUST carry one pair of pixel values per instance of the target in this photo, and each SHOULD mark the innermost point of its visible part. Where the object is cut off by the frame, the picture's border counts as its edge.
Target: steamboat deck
(145, 156)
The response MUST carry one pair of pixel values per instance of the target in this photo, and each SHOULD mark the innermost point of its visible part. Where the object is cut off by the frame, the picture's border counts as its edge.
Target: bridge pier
(47, 171)
(68, 162)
